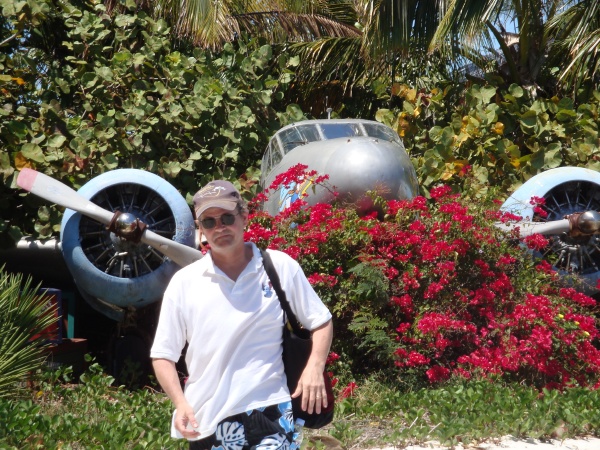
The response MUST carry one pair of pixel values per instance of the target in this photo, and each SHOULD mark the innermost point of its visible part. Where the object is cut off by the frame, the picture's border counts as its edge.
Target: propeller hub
(589, 222)
(125, 225)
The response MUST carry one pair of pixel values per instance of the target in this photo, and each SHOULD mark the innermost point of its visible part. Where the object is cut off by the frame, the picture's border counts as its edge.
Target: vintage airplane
(124, 266)
(358, 156)
(126, 232)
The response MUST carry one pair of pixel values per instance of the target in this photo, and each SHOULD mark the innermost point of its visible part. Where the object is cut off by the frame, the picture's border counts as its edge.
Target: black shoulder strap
(272, 274)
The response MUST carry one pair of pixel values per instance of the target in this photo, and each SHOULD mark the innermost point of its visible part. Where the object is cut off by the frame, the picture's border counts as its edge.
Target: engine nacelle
(565, 190)
(114, 274)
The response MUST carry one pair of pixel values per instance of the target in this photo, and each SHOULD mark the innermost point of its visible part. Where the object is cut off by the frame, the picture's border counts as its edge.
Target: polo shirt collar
(253, 266)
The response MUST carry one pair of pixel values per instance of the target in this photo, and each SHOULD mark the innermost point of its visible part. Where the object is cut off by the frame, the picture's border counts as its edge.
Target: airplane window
(271, 158)
(291, 138)
(265, 165)
(381, 132)
(310, 133)
(338, 130)
(275, 153)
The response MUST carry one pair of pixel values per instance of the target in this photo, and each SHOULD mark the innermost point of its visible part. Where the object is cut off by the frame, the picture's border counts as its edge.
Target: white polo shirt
(234, 331)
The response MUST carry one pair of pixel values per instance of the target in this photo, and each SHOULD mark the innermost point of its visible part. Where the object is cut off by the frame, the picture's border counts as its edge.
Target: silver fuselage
(359, 156)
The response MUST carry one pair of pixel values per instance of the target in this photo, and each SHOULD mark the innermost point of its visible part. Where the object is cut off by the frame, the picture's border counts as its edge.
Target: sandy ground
(510, 443)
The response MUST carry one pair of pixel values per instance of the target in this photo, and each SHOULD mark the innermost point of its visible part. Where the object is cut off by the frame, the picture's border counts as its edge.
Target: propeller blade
(545, 228)
(180, 254)
(56, 192)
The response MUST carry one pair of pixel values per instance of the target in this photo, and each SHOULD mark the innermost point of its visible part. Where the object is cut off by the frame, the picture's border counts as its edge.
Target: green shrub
(85, 92)
(432, 290)
(91, 414)
(502, 137)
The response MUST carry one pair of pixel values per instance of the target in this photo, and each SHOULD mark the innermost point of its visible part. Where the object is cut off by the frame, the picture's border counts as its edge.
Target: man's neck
(234, 262)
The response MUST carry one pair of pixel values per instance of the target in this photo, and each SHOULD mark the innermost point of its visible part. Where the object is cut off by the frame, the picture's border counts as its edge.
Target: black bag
(297, 345)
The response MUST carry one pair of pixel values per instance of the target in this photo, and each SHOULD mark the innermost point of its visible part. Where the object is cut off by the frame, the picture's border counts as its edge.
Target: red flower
(417, 359)
(348, 390)
(437, 374)
(536, 242)
(537, 200)
(440, 192)
(333, 357)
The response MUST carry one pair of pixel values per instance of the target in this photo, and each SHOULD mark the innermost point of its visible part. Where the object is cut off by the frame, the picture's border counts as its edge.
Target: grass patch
(94, 414)
(463, 412)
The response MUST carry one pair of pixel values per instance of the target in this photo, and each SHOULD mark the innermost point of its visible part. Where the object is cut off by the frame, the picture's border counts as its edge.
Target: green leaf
(529, 122)
(566, 114)
(553, 156)
(56, 140)
(33, 152)
(516, 91)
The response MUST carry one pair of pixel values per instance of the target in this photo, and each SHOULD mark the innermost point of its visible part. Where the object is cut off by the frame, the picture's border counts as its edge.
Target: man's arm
(167, 376)
(311, 384)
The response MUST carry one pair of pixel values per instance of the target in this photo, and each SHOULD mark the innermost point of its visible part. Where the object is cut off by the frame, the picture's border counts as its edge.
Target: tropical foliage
(211, 24)
(85, 92)
(500, 136)
(25, 314)
(525, 42)
(413, 41)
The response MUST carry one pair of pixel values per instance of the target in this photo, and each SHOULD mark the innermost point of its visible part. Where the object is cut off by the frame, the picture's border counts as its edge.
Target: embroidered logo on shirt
(267, 290)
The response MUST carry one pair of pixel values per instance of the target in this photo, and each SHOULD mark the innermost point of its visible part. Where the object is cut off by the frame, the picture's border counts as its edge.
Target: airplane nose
(369, 164)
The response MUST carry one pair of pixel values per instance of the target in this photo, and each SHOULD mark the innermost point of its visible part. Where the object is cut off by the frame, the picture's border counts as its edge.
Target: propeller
(545, 228)
(577, 224)
(56, 192)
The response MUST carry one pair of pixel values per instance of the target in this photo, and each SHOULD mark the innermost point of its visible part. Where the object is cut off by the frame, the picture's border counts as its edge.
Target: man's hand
(311, 385)
(185, 422)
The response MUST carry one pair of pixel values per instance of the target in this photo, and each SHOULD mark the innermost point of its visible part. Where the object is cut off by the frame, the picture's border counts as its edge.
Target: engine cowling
(114, 274)
(565, 190)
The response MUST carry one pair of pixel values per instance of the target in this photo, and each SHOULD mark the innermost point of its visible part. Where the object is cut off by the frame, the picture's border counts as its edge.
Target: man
(223, 306)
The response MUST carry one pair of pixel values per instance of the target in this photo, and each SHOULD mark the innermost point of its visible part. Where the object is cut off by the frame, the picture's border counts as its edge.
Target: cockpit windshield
(340, 130)
(303, 133)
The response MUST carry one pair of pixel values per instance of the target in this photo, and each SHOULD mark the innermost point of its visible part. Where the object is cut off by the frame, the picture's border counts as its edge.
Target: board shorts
(269, 427)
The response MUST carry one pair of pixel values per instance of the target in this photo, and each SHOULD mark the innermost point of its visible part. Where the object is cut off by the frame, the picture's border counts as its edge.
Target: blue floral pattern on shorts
(270, 428)
(232, 435)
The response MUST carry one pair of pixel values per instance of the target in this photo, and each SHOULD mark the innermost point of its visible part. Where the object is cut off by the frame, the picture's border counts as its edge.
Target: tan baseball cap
(216, 194)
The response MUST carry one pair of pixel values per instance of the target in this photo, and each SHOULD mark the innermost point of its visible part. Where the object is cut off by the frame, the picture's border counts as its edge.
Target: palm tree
(420, 42)
(577, 32)
(349, 42)
(393, 46)
(524, 41)
(210, 24)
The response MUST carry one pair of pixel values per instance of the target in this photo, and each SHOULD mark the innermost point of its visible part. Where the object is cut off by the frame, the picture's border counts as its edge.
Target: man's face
(223, 228)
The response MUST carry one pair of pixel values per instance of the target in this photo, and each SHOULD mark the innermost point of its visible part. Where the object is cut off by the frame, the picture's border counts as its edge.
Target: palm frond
(282, 26)
(24, 314)
(577, 34)
(330, 58)
(465, 21)
(211, 24)
(395, 26)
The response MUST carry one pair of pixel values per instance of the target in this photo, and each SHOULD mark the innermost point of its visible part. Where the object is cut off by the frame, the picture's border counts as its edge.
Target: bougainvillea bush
(425, 290)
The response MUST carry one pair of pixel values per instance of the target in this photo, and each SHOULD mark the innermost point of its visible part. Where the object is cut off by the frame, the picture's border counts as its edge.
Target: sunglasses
(211, 222)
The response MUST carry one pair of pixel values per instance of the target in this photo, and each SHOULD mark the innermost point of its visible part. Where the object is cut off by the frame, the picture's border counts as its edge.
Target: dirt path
(510, 443)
